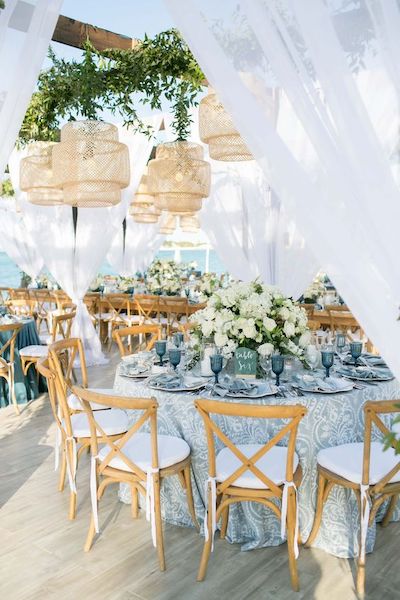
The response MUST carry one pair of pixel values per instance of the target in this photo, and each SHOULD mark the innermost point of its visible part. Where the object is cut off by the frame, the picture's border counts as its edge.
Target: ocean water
(10, 273)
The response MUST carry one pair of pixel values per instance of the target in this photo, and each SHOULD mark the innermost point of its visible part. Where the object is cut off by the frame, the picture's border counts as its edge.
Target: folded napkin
(135, 367)
(365, 372)
(314, 383)
(239, 387)
(368, 360)
(169, 381)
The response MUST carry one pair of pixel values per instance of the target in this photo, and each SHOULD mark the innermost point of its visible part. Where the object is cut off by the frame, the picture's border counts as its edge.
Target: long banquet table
(332, 419)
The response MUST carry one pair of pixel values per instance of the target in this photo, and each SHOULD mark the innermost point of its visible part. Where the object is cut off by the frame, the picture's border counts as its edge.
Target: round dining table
(27, 387)
(331, 419)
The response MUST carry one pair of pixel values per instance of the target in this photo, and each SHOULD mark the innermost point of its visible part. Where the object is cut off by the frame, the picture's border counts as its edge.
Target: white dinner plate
(264, 389)
(190, 387)
(137, 375)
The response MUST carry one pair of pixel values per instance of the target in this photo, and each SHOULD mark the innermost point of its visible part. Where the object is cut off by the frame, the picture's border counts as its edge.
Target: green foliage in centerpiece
(156, 69)
(255, 316)
(164, 277)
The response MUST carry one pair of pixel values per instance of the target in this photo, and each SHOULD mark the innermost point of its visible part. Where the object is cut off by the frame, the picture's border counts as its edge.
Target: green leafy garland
(6, 189)
(117, 80)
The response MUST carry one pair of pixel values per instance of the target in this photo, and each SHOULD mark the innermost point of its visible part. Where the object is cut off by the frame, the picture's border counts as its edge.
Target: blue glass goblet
(340, 342)
(356, 351)
(161, 348)
(277, 365)
(174, 357)
(178, 339)
(327, 357)
(216, 362)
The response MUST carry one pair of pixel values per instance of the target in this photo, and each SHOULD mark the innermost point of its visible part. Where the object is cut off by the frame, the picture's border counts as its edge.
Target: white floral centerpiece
(255, 316)
(126, 284)
(164, 277)
(315, 290)
(97, 283)
(207, 285)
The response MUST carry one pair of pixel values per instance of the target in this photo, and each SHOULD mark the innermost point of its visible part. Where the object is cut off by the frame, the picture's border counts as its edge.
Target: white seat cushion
(103, 316)
(47, 339)
(75, 404)
(347, 461)
(36, 351)
(273, 464)
(171, 450)
(112, 421)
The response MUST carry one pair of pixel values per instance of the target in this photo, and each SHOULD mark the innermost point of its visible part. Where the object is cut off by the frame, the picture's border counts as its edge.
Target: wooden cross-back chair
(176, 311)
(22, 305)
(252, 472)
(309, 308)
(142, 460)
(4, 295)
(372, 473)
(148, 306)
(45, 303)
(61, 326)
(70, 417)
(132, 339)
(10, 331)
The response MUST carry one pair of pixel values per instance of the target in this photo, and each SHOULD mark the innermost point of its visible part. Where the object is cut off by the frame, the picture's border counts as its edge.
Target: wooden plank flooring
(41, 551)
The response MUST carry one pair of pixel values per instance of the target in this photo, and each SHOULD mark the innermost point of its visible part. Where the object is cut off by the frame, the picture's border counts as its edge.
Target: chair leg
(225, 518)
(90, 535)
(207, 543)
(135, 503)
(72, 506)
(159, 531)
(291, 526)
(318, 511)
(189, 496)
(63, 471)
(390, 510)
(11, 390)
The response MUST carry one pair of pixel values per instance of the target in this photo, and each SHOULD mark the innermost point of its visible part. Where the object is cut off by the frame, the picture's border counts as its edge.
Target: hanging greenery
(6, 189)
(2, 5)
(117, 80)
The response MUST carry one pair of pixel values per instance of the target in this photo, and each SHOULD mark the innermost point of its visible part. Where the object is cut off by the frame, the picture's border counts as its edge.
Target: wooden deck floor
(41, 552)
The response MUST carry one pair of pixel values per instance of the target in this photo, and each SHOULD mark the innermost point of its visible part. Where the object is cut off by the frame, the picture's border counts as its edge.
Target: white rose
(284, 313)
(289, 329)
(269, 324)
(305, 339)
(266, 349)
(220, 339)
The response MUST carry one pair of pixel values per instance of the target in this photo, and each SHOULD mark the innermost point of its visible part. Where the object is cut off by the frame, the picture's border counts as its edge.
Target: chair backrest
(22, 306)
(128, 338)
(174, 308)
(48, 373)
(293, 414)
(9, 343)
(342, 320)
(337, 307)
(45, 301)
(308, 307)
(147, 405)
(116, 304)
(148, 306)
(61, 325)
(372, 416)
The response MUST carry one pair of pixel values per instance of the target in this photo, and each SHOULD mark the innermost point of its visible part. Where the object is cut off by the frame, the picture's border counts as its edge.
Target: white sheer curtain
(133, 251)
(341, 88)
(16, 240)
(250, 231)
(26, 27)
(75, 258)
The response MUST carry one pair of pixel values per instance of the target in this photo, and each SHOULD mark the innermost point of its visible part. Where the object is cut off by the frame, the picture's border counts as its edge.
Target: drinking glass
(216, 362)
(327, 357)
(265, 364)
(356, 351)
(178, 339)
(340, 342)
(174, 357)
(277, 365)
(161, 348)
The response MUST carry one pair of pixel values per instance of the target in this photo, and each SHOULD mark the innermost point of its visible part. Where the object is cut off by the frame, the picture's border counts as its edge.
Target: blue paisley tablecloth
(332, 419)
(26, 388)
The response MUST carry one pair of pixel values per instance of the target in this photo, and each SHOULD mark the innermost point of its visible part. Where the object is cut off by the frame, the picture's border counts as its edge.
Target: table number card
(245, 362)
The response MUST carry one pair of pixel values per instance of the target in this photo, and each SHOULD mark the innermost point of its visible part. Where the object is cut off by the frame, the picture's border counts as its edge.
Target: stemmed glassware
(174, 357)
(216, 363)
(265, 364)
(161, 348)
(356, 351)
(340, 342)
(178, 339)
(327, 358)
(277, 365)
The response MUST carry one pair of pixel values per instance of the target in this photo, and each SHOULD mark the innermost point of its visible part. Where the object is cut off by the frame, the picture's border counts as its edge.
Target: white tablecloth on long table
(332, 419)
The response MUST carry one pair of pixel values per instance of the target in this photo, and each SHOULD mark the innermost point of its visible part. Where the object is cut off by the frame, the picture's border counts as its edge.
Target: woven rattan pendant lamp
(218, 131)
(144, 214)
(143, 196)
(90, 164)
(179, 177)
(189, 223)
(36, 176)
(167, 224)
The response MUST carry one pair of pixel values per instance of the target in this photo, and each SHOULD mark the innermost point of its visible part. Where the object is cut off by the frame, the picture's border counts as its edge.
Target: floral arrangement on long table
(254, 316)
(207, 285)
(164, 277)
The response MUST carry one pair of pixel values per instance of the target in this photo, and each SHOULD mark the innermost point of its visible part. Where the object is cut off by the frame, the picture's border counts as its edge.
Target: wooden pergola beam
(75, 33)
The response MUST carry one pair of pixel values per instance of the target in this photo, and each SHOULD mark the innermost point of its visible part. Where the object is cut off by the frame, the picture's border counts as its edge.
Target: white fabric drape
(74, 260)
(341, 90)
(250, 231)
(134, 251)
(16, 240)
(26, 27)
